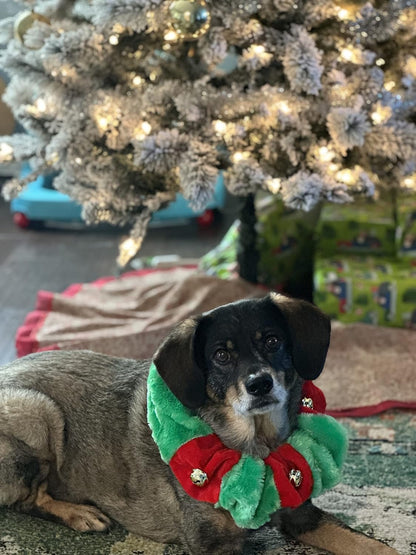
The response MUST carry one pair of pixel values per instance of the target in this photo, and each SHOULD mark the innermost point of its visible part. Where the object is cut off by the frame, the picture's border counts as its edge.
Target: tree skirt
(369, 369)
(374, 497)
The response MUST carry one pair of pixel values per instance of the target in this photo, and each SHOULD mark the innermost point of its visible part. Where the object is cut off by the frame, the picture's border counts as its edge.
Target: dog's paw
(86, 518)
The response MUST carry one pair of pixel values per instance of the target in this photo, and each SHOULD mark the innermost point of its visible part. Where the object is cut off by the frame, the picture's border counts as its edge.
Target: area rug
(377, 496)
(369, 369)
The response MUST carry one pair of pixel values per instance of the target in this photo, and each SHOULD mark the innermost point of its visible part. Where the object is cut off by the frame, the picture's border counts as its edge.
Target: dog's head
(246, 359)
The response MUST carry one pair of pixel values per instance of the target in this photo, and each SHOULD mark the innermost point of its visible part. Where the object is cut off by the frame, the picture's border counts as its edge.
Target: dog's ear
(176, 363)
(309, 330)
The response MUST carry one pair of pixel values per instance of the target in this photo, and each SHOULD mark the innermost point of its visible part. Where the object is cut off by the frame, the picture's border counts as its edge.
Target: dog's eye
(272, 343)
(222, 356)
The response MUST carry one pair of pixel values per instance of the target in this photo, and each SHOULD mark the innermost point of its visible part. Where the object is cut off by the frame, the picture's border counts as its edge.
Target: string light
(274, 184)
(381, 114)
(347, 54)
(380, 62)
(143, 130)
(343, 14)
(113, 40)
(6, 152)
(103, 123)
(258, 49)
(325, 154)
(389, 86)
(410, 181)
(147, 128)
(346, 176)
(128, 249)
(283, 106)
(171, 36)
(137, 80)
(219, 126)
(238, 156)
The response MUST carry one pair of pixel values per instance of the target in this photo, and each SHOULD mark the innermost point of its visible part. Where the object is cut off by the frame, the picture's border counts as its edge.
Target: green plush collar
(252, 489)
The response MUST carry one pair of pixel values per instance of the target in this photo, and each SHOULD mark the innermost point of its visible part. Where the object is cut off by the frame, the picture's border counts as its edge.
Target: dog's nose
(259, 385)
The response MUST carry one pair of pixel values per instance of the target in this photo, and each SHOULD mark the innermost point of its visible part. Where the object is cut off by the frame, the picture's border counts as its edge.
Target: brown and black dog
(75, 445)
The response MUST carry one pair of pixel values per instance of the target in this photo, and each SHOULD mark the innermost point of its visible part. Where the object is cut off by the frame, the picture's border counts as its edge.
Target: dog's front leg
(210, 531)
(313, 526)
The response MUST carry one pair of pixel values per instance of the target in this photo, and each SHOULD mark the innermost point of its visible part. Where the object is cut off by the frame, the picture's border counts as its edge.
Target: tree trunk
(247, 253)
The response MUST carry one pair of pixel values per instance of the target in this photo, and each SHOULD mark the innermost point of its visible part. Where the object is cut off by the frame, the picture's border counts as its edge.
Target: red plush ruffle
(208, 454)
(282, 461)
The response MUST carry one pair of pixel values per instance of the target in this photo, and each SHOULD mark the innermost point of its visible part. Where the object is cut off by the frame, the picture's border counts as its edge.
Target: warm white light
(64, 72)
(377, 118)
(409, 182)
(347, 54)
(220, 126)
(274, 185)
(6, 152)
(238, 156)
(325, 154)
(284, 107)
(103, 122)
(114, 40)
(343, 13)
(346, 176)
(380, 62)
(258, 49)
(147, 128)
(128, 249)
(40, 105)
(171, 36)
(137, 80)
(333, 167)
(78, 160)
(153, 76)
(389, 86)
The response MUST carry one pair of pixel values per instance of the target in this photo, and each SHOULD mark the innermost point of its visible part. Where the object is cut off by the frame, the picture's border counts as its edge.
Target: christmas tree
(132, 101)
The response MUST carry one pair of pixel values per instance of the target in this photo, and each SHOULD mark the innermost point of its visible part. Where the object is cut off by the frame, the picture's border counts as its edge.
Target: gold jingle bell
(24, 22)
(189, 18)
(199, 477)
(295, 476)
(307, 403)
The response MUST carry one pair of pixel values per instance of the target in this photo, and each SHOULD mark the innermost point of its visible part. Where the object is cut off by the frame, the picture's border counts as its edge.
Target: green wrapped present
(367, 289)
(407, 227)
(364, 227)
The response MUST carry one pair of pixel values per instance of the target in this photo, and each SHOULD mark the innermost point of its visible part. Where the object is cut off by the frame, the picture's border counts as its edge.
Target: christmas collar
(250, 488)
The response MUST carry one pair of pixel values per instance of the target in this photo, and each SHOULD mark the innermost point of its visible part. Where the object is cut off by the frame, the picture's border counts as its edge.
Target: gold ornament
(307, 403)
(24, 22)
(199, 477)
(189, 18)
(295, 476)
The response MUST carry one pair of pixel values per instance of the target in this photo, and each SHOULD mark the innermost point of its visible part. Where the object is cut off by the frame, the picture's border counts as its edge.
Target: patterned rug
(377, 496)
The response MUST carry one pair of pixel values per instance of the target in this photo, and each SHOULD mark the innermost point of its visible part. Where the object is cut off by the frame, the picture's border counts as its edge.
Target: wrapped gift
(406, 235)
(363, 227)
(367, 289)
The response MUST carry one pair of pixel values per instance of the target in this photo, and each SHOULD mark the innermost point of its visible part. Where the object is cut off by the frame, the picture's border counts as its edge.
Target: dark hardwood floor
(53, 258)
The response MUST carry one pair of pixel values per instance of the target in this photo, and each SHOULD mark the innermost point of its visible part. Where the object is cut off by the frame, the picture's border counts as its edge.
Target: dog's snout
(259, 385)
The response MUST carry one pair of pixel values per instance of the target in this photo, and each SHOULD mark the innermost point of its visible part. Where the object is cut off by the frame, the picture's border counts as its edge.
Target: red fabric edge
(371, 410)
(26, 336)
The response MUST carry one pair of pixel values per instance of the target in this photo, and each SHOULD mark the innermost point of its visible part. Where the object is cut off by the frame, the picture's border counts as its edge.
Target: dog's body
(75, 445)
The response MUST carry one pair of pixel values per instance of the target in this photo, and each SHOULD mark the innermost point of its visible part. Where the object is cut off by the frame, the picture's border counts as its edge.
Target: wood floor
(53, 258)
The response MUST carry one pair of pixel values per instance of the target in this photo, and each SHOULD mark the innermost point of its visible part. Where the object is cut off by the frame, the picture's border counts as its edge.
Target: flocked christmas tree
(132, 101)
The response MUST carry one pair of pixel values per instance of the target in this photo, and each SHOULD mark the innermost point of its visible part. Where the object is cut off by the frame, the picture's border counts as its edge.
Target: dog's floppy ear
(309, 330)
(176, 363)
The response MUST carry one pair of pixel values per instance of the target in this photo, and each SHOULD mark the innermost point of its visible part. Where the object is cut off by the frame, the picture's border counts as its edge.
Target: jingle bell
(199, 477)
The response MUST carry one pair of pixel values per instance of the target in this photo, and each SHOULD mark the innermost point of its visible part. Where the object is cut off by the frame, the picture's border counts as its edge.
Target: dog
(75, 445)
